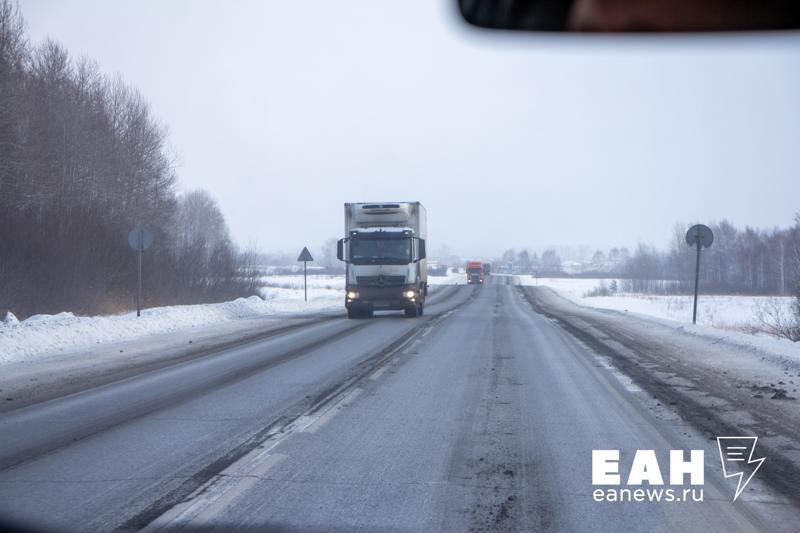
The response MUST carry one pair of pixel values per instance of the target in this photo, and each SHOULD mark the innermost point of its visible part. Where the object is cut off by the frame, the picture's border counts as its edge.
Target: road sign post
(699, 236)
(696, 283)
(140, 239)
(139, 286)
(305, 257)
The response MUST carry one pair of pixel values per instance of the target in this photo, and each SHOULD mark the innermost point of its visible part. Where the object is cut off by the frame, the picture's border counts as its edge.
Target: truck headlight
(409, 294)
(352, 295)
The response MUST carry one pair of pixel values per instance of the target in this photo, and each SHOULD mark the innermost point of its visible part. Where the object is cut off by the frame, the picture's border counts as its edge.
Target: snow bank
(42, 335)
(726, 324)
(750, 359)
(734, 313)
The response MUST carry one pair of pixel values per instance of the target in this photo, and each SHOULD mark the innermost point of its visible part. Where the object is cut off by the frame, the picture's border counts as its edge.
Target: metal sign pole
(139, 291)
(139, 239)
(696, 283)
(305, 257)
(702, 237)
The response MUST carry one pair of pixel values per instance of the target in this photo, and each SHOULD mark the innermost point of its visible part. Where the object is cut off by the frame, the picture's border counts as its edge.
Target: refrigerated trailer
(384, 254)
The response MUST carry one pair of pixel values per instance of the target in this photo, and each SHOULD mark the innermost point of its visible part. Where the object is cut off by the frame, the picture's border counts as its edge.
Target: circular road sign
(699, 234)
(140, 238)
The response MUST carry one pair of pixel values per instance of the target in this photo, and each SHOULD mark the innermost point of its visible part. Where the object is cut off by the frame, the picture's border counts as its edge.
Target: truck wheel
(352, 313)
(421, 308)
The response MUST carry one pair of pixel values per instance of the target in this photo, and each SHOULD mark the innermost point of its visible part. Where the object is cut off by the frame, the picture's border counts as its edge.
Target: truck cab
(384, 254)
(474, 272)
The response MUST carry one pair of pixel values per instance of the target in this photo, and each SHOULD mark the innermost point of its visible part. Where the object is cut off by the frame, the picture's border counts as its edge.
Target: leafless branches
(83, 160)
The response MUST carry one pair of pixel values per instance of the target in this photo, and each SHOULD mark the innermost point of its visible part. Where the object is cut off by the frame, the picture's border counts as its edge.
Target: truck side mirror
(421, 249)
(340, 249)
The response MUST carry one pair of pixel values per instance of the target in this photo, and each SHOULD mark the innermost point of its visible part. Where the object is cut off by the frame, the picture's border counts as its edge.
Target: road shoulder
(30, 382)
(60, 373)
(719, 388)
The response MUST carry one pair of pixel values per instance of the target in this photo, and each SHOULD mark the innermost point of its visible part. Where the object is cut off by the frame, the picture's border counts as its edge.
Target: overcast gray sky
(285, 110)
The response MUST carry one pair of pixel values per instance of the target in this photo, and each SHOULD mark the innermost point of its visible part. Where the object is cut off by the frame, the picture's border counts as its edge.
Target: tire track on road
(212, 483)
(121, 410)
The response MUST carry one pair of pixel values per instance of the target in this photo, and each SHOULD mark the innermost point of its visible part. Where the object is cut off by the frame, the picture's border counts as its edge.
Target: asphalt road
(480, 416)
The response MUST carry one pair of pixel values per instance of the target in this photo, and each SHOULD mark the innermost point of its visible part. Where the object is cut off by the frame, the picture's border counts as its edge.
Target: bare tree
(509, 256)
(524, 262)
(82, 160)
(778, 319)
(551, 261)
(328, 258)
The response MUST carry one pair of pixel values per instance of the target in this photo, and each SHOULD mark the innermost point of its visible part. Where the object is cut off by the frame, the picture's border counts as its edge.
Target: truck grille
(380, 281)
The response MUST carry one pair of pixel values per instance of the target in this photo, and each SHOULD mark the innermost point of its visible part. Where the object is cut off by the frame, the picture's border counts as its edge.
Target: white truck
(384, 253)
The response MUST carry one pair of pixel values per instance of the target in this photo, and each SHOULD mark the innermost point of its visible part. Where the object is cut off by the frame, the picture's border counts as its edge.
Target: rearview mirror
(421, 249)
(340, 250)
(632, 15)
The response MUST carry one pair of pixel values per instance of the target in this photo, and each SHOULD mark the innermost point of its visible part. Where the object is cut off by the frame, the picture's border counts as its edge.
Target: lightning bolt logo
(732, 453)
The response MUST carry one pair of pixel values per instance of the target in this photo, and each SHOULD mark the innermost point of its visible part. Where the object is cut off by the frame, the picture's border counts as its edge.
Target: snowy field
(452, 278)
(737, 313)
(323, 291)
(43, 335)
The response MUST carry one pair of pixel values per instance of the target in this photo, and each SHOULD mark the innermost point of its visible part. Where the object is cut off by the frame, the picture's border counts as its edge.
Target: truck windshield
(474, 270)
(380, 251)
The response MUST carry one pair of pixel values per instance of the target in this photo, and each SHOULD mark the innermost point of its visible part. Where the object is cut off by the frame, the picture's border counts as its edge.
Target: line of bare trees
(83, 160)
(749, 261)
(525, 262)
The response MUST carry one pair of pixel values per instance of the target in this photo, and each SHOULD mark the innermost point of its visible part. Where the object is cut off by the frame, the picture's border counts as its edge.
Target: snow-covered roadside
(46, 335)
(719, 382)
(452, 278)
(730, 313)
(319, 285)
(780, 353)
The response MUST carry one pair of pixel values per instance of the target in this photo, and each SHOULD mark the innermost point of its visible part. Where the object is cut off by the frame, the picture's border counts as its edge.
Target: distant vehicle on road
(384, 252)
(437, 269)
(487, 269)
(474, 272)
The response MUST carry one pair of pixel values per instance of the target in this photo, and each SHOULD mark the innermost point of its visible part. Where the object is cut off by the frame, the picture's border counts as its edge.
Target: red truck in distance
(474, 272)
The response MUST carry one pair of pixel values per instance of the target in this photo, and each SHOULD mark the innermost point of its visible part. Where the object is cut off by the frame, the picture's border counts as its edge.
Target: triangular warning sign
(305, 255)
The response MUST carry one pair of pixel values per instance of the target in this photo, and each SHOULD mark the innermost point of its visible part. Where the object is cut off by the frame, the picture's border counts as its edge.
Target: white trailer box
(384, 248)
